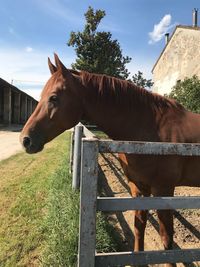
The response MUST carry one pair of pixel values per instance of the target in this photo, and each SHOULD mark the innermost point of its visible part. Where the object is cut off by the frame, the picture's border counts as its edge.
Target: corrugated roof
(178, 26)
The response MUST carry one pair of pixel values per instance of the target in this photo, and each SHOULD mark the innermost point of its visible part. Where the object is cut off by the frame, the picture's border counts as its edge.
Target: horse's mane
(125, 93)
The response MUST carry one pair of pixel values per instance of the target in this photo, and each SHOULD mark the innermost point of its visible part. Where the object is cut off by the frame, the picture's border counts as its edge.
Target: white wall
(180, 59)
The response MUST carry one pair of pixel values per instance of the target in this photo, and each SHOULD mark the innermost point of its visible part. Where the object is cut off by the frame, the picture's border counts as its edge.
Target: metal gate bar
(89, 204)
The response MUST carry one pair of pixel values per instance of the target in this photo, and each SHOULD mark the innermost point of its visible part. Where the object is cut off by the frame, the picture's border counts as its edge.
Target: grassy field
(39, 210)
(25, 185)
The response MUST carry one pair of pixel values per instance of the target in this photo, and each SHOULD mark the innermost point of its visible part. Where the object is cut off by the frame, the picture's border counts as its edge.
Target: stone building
(15, 105)
(179, 59)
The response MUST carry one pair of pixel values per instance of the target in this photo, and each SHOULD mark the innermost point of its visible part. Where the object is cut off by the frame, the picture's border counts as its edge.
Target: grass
(63, 224)
(39, 210)
(25, 182)
(62, 221)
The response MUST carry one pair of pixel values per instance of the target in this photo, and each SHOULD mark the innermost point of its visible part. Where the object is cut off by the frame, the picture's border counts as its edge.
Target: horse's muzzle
(26, 142)
(29, 145)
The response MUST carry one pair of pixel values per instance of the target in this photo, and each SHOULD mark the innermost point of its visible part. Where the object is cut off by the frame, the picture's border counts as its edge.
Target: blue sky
(31, 30)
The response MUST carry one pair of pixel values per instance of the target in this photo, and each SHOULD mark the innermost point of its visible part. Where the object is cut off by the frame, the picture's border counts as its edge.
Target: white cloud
(160, 29)
(20, 65)
(35, 93)
(28, 71)
(29, 49)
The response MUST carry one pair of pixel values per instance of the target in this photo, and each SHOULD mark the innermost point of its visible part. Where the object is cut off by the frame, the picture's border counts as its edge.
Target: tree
(187, 93)
(96, 51)
(139, 80)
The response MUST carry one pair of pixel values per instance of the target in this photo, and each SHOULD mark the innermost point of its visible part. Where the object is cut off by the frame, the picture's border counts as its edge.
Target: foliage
(187, 93)
(96, 51)
(139, 80)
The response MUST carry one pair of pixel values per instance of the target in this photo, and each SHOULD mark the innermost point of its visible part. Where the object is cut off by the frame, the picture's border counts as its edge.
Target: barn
(179, 59)
(15, 105)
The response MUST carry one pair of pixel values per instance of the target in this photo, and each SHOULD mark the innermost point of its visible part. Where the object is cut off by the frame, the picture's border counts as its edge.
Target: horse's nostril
(26, 141)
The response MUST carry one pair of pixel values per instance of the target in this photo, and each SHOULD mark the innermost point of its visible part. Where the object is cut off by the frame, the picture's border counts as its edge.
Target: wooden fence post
(77, 156)
(88, 202)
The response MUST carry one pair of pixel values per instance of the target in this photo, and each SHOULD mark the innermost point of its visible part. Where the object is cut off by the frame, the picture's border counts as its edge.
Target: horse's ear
(52, 68)
(59, 64)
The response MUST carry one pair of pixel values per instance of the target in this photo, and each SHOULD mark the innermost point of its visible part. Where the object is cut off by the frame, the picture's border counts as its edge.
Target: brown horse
(125, 112)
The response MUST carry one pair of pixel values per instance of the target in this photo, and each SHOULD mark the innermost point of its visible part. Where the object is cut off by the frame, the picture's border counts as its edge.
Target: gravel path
(9, 141)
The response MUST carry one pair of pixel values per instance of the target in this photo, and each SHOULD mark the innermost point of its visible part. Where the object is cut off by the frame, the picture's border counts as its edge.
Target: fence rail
(147, 257)
(88, 151)
(147, 203)
(149, 148)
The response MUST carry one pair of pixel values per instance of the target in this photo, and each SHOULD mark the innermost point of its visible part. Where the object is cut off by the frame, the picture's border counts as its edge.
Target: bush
(187, 93)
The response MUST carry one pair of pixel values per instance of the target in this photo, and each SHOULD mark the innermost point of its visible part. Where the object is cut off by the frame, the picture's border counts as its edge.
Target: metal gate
(85, 162)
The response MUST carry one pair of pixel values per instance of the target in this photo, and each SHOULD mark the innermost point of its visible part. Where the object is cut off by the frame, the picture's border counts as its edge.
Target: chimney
(166, 38)
(194, 17)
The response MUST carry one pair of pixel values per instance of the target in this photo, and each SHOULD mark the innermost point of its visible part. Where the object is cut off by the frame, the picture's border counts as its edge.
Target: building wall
(1, 105)
(180, 59)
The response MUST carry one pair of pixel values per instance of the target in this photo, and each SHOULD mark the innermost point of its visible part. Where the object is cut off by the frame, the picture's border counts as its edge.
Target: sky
(32, 30)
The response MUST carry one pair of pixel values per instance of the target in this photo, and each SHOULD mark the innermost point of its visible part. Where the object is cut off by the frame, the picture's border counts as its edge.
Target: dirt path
(186, 222)
(9, 141)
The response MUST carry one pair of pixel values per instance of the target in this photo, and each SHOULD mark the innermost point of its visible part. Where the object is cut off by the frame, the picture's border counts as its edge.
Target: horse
(127, 112)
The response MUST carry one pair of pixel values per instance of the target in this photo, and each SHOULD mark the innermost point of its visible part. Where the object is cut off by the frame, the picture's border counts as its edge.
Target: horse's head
(59, 109)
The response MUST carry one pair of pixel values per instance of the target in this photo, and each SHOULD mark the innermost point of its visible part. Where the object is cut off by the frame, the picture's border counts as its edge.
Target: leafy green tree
(96, 51)
(139, 80)
(187, 93)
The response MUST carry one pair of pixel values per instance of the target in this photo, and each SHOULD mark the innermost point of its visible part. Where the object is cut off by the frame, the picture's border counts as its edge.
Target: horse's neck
(190, 129)
(122, 123)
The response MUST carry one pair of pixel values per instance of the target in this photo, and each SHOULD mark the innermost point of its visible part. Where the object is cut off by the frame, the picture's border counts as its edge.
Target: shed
(15, 105)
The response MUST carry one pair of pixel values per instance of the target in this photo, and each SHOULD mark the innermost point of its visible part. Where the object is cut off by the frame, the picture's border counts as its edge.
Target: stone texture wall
(180, 59)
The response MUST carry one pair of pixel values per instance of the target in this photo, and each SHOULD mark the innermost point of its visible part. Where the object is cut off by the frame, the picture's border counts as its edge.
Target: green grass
(25, 182)
(107, 238)
(39, 210)
(62, 221)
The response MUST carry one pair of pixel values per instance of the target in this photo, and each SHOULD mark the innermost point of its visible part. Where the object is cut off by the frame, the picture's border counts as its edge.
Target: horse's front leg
(165, 218)
(140, 219)
(166, 231)
(140, 216)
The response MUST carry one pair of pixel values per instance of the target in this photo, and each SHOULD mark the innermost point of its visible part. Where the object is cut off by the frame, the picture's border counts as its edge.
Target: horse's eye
(53, 99)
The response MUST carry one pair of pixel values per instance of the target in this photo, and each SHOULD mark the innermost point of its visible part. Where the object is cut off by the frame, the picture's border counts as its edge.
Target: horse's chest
(137, 168)
(151, 170)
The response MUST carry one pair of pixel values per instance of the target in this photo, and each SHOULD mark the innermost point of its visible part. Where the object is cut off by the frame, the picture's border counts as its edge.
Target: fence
(85, 163)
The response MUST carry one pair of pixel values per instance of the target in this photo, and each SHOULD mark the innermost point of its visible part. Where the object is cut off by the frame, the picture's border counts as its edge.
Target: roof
(178, 26)
(4, 84)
